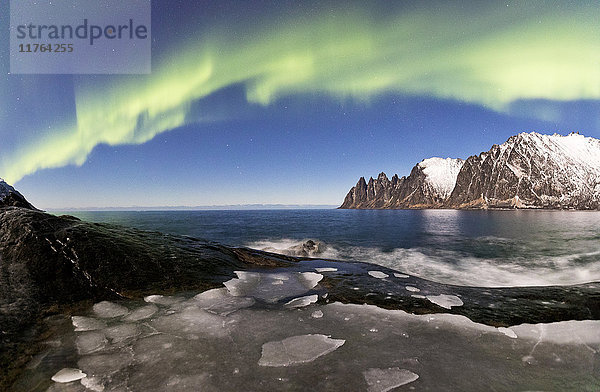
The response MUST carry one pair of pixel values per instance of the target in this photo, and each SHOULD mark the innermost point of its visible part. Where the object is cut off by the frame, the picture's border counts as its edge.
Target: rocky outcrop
(49, 263)
(10, 197)
(428, 186)
(529, 170)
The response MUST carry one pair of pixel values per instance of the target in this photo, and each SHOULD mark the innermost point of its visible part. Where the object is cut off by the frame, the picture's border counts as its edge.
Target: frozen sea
(276, 330)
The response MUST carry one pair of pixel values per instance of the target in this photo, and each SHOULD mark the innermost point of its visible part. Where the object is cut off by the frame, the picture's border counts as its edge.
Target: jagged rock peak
(10, 197)
(428, 185)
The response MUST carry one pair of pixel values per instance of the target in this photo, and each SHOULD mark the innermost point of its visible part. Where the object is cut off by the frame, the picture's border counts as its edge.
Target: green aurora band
(501, 55)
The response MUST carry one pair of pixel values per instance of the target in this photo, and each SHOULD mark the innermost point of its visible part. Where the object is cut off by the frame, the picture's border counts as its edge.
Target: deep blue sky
(324, 107)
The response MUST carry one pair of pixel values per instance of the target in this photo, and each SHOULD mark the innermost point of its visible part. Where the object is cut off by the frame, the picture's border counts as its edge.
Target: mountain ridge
(529, 170)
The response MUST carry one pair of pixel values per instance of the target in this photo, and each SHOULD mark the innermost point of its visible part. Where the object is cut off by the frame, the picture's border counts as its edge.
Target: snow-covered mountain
(10, 197)
(532, 170)
(428, 186)
(529, 170)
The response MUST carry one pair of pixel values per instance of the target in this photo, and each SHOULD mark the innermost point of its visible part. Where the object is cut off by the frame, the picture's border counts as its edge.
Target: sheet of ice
(192, 322)
(326, 269)
(445, 300)
(187, 348)
(260, 285)
(378, 274)
(508, 332)
(564, 332)
(413, 289)
(383, 380)
(302, 301)
(121, 332)
(220, 301)
(401, 276)
(87, 323)
(105, 364)
(142, 313)
(106, 309)
(297, 349)
(93, 384)
(89, 342)
(67, 375)
(162, 299)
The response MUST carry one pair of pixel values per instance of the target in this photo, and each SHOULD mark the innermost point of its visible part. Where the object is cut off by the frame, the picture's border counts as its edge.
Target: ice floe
(260, 285)
(89, 342)
(162, 299)
(401, 276)
(302, 301)
(87, 323)
(220, 301)
(297, 349)
(326, 269)
(219, 341)
(106, 309)
(378, 274)
(142, 313)
(67, 375)
(121, 332)
(413, 289)
(383, 380)
(508, 332)
(445, 301)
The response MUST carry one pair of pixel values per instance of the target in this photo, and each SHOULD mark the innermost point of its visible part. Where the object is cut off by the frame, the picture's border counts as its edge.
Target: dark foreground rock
(51, 265)
(10, 197)
(48, 262)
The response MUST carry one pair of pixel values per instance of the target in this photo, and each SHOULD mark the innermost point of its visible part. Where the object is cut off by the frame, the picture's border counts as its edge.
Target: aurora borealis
(524, 64)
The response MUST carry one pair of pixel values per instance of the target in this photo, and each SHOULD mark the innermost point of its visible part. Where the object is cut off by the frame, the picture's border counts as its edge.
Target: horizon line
(255, 206)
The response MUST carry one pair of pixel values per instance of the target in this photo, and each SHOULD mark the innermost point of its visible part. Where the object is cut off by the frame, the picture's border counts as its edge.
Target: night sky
(291, 101)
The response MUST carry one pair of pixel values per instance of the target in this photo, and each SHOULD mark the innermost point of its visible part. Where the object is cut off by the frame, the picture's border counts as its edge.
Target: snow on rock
(383, 380)
(317, 314)
(297, 349)
(441, 174)
(87, 323)
(106, 309)
(302, 301)
(533, 170)
(68, 375)
(378, 274)
(445, 301)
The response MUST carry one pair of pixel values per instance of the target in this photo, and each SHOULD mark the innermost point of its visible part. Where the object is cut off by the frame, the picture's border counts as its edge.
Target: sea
(473, 248)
